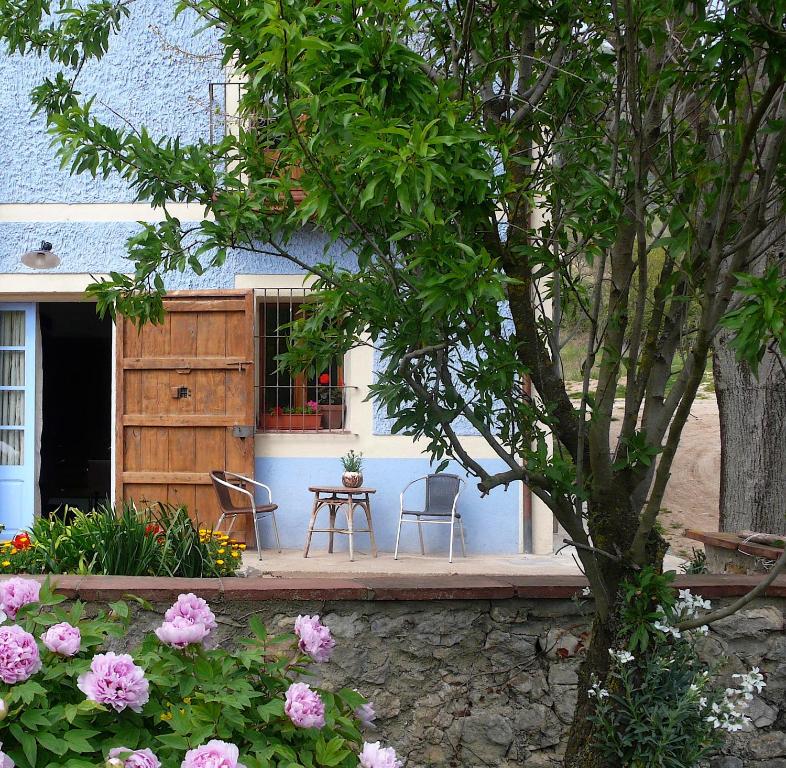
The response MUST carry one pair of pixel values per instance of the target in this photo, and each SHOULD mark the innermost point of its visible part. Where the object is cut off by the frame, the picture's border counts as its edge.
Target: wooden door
(185, 400)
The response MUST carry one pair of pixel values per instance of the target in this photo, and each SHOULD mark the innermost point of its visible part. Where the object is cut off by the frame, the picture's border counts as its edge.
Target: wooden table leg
(332, 526)
(311, 523)
(350, 516)
(370, 526)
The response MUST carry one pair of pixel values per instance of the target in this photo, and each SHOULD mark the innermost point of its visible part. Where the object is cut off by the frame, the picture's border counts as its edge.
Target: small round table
(334, 497)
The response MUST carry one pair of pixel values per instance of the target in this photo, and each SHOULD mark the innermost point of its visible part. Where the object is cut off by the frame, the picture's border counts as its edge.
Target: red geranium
(22, 541)
(324, 379)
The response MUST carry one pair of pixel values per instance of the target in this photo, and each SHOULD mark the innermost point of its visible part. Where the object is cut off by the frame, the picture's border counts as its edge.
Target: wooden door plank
(205, 305)
(179, 420)
(182, 449)
(151, 478)
(221, 363)
(211, 334)
(155, 448)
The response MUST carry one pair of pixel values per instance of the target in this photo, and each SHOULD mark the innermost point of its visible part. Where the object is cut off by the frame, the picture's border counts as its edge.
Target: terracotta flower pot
(352, 479)
(332, 416)
(292, 422)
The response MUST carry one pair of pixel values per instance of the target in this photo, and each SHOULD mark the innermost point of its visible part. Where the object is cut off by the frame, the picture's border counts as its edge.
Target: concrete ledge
(375, 588)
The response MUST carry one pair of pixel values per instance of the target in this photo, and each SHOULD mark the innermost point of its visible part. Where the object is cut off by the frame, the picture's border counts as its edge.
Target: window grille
(287, 402)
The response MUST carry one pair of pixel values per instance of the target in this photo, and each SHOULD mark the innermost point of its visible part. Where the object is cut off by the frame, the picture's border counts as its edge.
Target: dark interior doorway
(76, 430)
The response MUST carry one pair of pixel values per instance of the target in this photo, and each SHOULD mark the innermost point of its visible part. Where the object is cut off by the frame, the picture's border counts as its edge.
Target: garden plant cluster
(172, 702)
(660, 704)
(160, 540)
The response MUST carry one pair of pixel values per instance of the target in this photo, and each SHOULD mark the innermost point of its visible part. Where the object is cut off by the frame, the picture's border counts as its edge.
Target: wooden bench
(730, 553)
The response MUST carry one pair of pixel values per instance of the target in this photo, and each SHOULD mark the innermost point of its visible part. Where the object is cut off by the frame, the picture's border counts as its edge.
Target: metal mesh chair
(442, 493)
(225, 483)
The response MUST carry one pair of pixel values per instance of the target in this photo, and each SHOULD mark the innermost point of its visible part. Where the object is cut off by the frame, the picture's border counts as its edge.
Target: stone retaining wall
(466, 672)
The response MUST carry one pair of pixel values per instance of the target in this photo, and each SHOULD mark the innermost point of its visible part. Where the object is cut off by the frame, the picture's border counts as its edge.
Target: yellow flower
(166, 716)
(221, 551)
(6, 563)
(242, 546)
(13, 551)
(187, 700)
(235, 554)
(219, 562)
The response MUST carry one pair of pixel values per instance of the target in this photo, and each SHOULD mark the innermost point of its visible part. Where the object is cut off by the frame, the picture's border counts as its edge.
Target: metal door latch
(243, 430)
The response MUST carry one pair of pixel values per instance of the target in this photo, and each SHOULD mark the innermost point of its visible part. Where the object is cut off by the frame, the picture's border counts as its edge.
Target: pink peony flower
(304, 707)
(181, 632)
(314, 638)
(194, 609)
(214, 754)
(19, 657)
(376, 756)
(134, 758)
(5, 760)
(16, 592)
(366, 714)
(62, 639)
(116, 681)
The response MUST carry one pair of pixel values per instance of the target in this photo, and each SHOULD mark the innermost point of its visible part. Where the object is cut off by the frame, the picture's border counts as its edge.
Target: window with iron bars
(225, 119)
(287, 402)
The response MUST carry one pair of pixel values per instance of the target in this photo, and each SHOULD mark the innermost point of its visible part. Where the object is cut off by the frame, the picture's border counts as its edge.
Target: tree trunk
(752, 414)
(580, 752)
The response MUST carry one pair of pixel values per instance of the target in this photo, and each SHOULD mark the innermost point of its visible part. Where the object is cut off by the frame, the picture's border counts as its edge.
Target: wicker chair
(442, 493)
(225, 483)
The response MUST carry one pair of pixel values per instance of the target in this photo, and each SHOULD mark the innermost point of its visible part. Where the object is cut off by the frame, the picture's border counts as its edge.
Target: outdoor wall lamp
(43, 258)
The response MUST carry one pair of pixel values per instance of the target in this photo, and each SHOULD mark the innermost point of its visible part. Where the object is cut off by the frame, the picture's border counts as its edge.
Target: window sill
(304, 432)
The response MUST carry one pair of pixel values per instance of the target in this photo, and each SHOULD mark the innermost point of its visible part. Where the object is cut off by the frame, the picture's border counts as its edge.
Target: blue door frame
(18, 437)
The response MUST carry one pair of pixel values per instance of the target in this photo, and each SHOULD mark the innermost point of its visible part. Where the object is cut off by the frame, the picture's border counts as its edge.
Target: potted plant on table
(353, 470)
(331, 402)
(288, 419)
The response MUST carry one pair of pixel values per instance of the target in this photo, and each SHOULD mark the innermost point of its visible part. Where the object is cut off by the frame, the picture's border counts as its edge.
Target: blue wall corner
(491, 523)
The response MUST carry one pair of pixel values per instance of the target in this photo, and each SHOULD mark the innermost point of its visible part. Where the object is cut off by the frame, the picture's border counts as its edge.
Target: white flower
(667, 629)
(703, 703)
(597, 690)
(586, 592)
(623, 657)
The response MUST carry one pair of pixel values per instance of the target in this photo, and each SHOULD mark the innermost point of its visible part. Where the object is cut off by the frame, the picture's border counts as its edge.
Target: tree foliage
(473, 156)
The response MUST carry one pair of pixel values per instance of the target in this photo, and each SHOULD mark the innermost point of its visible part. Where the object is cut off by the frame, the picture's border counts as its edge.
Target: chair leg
(231, 524)
(220, 522)
(258, 533)
(275, 530)
(398, 536)
(450, 556)
(420, 536)
(463, 543)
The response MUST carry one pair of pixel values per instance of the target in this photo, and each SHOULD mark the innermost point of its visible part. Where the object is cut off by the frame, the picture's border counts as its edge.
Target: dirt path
(691, 499)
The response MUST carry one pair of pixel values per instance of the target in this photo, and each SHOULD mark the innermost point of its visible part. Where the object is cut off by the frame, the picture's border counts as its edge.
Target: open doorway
(76, 404)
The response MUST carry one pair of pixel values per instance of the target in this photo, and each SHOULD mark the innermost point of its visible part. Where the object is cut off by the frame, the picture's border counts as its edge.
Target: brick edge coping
(370, 588)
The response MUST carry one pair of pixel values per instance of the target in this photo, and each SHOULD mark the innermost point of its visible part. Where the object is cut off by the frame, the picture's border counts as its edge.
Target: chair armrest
(239, 489)
(407, 487)
(254, 482)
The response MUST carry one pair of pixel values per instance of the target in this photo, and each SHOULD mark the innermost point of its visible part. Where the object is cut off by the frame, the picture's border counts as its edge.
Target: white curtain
(12, 374)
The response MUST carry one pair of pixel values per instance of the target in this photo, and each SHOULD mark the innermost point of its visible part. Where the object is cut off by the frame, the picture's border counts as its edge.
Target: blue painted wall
(491, 524)
(101, 246)
(156, 74)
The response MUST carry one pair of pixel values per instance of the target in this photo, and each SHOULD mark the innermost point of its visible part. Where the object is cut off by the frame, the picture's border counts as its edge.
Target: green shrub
(158, 541)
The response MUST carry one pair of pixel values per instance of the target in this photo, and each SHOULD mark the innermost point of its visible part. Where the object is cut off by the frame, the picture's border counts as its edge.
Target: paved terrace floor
(291, 563)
